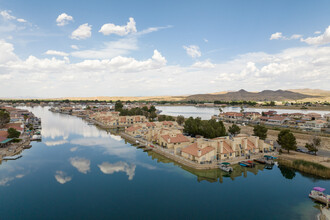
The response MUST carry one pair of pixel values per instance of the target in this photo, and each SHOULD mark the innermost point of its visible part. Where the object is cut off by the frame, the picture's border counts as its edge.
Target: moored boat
(251, 163)
(260, 160)
(245, 164)
(318, 195)
(225, 167)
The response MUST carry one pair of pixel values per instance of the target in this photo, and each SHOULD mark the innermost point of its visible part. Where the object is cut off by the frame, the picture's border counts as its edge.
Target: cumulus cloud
(63, 19)
(294, 67)
(84, 31)
(319, 40)
(56, 53)
(110, 28)
(82, 164)
(7, 52)
(61, 177)
(193, 51)
(203, 64)
(111, 168)
(279, 35)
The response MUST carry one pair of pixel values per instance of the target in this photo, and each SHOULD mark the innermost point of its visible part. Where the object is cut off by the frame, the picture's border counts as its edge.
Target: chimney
(199, 153)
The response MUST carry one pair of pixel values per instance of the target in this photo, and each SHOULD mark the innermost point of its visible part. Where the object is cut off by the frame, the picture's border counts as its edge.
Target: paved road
(322, 153)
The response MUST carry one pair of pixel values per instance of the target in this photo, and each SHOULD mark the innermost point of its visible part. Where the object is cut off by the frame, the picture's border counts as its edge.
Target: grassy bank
(306, 167)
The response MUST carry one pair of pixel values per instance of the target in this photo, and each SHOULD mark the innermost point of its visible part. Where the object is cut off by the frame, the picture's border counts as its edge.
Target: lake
(207, 112)
(81, 172)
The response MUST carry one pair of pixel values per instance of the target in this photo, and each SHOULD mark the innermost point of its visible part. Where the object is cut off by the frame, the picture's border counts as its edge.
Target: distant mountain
(242, 95)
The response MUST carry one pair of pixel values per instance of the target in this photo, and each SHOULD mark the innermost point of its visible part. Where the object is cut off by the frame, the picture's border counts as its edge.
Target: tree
(13, 133)
(4, 117)
(118, 106)
(208, 129)
(220, 110)
(153, 115)
(287, 172)
(260, 131)
(234, 129)
(287, 140)
(152, 109)
(180, 119)
(242, 109)
(313, 147)
(272, 103)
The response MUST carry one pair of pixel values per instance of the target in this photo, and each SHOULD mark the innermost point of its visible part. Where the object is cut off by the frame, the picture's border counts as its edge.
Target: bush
(13, 133)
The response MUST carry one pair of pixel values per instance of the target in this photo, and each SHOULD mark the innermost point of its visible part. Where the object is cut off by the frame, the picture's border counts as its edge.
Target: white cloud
(7, 52)
(75, 47)
(279, 36)
(82, 164)
(203, 64)
(110, 168)
(21, 20)
(63, 19)
(6, 15)
(317, 32)
(61, 177)
(110, 28)
(206, 40)
(56, 53)
(193, 51)
(82, 32)
(276, 36)
(319, 40)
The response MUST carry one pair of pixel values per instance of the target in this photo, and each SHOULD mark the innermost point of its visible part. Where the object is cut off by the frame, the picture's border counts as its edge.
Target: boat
(12, 157)
(260, 160)
(269, 159)
(244, 164)
(269, 166)
(251, 163)
(225, 167)
(317, 194)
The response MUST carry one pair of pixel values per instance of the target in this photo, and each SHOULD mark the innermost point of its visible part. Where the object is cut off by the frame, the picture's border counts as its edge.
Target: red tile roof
(235, 114)
(133, 128)
(179, 138)
(167, 123)
(150, 124)
(227, 148)
(3, 134)
(193, 150)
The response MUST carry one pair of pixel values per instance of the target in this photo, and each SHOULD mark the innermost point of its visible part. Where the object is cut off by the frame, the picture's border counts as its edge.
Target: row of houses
(309, 121)
(168, 134)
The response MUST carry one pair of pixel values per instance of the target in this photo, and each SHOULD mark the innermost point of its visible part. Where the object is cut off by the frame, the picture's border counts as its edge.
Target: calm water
(207, 112)
(81, 172)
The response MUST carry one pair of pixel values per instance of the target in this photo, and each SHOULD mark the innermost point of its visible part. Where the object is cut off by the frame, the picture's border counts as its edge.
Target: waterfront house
(199, 152)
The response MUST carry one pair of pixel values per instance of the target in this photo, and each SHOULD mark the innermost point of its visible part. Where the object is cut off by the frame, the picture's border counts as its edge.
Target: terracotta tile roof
(193, 150)
(167, 123)
(150, 124)
(3, 134)
(137, 118)
(179, 138)
(133, 128)
(16, 126)
(235, 114)
(227, 148)
(2, 139)
(122, 119)
(250, 145)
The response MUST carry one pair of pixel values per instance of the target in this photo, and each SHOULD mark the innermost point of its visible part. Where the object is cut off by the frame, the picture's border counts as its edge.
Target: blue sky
(138, 48)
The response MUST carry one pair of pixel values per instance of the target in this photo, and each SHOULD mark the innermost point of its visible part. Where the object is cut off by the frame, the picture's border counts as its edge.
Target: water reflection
(73, 149)
(288, 173)
(5, 181)
(82, 164)
(61, 177)
(54, 143)
(213, 175)
(110, 168)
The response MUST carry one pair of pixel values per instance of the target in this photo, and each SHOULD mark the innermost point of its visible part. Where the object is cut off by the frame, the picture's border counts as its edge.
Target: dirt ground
(302, 139)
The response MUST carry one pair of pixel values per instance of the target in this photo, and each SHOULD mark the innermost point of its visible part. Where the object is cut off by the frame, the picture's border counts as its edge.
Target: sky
(69, 48)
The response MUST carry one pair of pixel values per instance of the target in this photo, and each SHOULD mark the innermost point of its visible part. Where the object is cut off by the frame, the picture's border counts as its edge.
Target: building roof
(167, 123)
(3, 134)
(193, 150)
(130, 129)
(150, 124)
(235, 114)
(227, 148)
(178, 138)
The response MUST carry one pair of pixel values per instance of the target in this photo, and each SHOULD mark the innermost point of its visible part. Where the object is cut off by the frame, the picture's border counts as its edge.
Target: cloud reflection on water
(61, 177)
(110, 168)
(82, 164)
